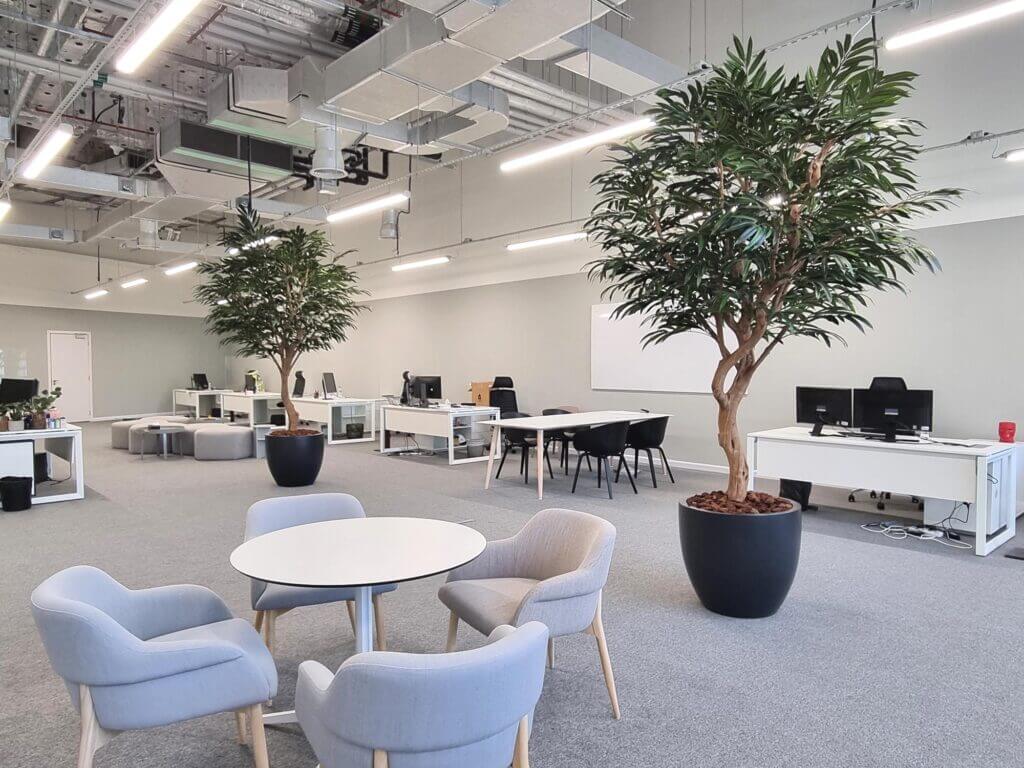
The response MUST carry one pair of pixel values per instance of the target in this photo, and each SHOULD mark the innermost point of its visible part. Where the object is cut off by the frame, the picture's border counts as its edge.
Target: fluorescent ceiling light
(389, 201)
(97, 293)
(50, 148)
(181, 268)
(222, 302)
(254, 244)
(546, 241)
(431, 262)
(775, 201)
(955, 24)
(159, 28)
(575, 145)
(1013, 156)
(5, 208)
(134, 282)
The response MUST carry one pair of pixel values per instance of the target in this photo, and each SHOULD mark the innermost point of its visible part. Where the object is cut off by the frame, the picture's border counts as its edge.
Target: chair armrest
(163, 610)
(564, 586)
(312, 688)
(497, 561)
(164, 658)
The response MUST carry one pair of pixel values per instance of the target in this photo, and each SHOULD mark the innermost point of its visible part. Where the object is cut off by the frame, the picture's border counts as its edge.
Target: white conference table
(542, 424)
(334, 412)
(358, 553)
(445, 421)
(65, 442)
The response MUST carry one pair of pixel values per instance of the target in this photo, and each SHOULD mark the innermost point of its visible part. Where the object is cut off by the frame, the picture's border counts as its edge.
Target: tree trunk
(292, 415)
(732, 443)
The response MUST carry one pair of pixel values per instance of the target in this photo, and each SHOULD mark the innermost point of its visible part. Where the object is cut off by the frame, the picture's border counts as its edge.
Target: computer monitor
(888, 413)
(199, 381)
(426, 388)
(330, 386)
(822, 406)
(250, 383)
(299, 388)
(18, 390)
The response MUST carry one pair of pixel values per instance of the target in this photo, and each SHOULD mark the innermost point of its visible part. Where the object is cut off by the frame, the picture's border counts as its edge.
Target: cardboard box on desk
(481, 392)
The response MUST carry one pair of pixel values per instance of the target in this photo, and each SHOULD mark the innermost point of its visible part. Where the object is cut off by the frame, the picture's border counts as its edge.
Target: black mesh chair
(646, 436)
(559, 437)
(524, 440)
(503, 396)
(601, 443)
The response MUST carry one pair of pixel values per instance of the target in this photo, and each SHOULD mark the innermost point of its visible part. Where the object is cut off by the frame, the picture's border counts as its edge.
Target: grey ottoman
(138, 432)
(175, 419)
(185, 441)
(119, 433)
(222, 443)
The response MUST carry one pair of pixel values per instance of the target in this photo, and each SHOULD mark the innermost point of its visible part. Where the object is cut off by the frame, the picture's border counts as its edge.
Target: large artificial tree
(762, 207)
(277, 294)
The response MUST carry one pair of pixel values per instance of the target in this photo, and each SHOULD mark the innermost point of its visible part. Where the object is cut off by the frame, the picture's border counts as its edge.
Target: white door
(70, 357)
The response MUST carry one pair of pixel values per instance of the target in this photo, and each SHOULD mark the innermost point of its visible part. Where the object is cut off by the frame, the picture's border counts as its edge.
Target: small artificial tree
(762, 207)
(277, 294)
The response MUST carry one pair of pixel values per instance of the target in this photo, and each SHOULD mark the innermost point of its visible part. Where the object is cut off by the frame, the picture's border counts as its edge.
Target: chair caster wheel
(851, 499)
(874, 495)
(880, 506)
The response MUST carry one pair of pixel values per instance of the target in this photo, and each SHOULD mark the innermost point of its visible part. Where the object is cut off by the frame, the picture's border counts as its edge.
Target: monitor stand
(816, 430)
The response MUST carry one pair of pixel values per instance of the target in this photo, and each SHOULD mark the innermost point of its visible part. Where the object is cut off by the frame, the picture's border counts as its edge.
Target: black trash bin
(15, 493)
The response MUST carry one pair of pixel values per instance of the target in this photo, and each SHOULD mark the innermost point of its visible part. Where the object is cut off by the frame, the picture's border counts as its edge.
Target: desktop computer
(200, 381)
(824, 406)
(330, 386)
(420, 390)
(885, 413)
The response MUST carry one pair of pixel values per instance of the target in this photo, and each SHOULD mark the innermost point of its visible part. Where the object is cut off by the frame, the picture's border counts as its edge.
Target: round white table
(357, 553)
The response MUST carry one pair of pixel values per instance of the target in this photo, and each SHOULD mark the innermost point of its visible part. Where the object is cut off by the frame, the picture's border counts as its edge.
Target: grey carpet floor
(885, 654)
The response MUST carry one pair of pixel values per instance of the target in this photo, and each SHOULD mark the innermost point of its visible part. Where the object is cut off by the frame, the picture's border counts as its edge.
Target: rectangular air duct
(203, 147)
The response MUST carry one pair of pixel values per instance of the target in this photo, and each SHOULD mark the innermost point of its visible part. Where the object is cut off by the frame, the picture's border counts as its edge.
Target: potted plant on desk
(16, 416)
(275, 295)
(760, 207)
(39, 406)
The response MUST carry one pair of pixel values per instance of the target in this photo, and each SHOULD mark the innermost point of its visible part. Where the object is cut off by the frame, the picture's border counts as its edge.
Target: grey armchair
(404, 710)
(552, 571)
(271, 601)
(134, 659)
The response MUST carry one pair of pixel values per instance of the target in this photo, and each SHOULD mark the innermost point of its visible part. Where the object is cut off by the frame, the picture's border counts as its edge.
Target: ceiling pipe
(28, 86)
(507, 73)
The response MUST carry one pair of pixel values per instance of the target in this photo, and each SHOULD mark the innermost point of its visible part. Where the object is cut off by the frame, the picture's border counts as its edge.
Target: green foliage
(765, 205)
(42, 402)
(283, 298)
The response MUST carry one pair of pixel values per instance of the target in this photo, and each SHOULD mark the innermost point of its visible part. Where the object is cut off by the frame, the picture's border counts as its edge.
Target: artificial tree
(277, 294)
(762, 207)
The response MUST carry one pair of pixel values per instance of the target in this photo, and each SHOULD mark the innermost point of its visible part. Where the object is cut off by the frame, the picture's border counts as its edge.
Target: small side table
(166, 433)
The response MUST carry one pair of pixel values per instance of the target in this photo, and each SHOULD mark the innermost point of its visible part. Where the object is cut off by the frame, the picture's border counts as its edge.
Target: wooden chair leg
(380, 758)
(258, 623)
(270, 630)
(378, 622)
(240, 726)
(453, 631)
(92, 736)
(521, 758)
(259, 737)
(551, 653)
(606, 663)
(351, 614)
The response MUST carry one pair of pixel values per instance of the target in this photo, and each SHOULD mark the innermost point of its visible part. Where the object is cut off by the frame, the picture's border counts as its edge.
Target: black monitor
(330, 387)
(300, 385)
(199, 381)
(426, 388)
(250, 383)
(18, 390)
(888, 413)
(822, 406)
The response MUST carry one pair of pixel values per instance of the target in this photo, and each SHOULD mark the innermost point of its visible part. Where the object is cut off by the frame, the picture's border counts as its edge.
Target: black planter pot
(295, 460)
(740, 565)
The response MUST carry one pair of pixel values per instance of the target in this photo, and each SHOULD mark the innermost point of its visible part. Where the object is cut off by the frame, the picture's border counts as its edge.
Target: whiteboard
(618, 360)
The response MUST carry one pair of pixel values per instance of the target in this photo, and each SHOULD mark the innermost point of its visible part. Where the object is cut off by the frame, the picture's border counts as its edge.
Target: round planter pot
(38, 421)
(740, 565)
(295, 460)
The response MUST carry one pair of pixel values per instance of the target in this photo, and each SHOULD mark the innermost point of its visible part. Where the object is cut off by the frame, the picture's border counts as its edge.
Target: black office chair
(559, 437)
(503, 396)
(646, 436)
(524, 440)
(601, 443)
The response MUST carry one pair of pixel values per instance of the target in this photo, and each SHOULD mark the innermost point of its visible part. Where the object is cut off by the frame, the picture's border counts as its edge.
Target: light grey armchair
(552, 571)
(271, 601)
(134, 659)
(404, 710)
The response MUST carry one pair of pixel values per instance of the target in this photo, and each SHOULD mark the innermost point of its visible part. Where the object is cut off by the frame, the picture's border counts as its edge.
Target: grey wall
(136, 359)
(955, 332)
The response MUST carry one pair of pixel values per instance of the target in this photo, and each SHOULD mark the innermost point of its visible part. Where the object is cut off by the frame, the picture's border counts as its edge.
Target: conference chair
(503, 396)
(559, 437)
(552, 571)
(134, 659)
(405, 710)
(646, 436)
(603, 442)
(271, 601)
(524, 440)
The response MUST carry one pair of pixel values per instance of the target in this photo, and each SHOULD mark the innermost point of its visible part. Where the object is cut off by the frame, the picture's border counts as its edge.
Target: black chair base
(650, 464)
(602, 461)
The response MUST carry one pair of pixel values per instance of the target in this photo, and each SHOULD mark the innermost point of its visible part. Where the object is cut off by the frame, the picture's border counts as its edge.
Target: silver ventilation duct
(328, 161)
(389, 224)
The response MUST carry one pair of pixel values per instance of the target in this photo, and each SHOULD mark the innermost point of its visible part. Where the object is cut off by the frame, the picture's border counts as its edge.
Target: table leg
(540, 463)
(495, 439)
(364, 619)
(163, 444)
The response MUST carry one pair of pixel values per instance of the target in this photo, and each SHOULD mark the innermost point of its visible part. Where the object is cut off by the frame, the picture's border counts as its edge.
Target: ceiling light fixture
(576, 145)
(5, 208)
(96, 294)
(388, 201)
(546, 241)
(775, 201)
(221, 302)
(431, 262)
(254, 244)
(50, 148)
(181, 268)
(955, 24)
(134, 282)
(162, 25)
(1013, 156)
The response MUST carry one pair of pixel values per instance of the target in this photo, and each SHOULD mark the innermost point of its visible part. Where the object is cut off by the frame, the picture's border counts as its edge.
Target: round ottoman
(119, 433)
(221, 442)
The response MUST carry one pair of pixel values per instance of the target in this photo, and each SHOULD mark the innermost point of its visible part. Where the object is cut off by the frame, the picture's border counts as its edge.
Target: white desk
(928, 470)
(65, 443)
(445, 421)
(542, 424)
(200, 401)
(256, 406)
(338, 412)
(357, 553)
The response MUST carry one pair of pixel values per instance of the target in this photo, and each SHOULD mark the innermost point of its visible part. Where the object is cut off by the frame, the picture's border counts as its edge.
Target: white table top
(204, 391)
(29, 434)
(335, 400)
(254, 395)
(445, 408)
(358, 552)
(829, 437)
(569, 420)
